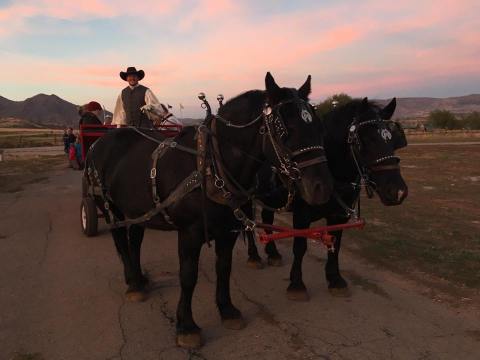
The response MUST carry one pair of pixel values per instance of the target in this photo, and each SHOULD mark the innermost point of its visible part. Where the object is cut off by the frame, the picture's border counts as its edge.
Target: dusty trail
(62, 298)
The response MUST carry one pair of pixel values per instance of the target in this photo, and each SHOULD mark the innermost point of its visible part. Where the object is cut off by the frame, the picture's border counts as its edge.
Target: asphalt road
(62, 297)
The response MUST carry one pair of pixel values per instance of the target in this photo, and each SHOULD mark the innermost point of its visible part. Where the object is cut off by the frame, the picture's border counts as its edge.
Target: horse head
(374, 139)
(296, 140)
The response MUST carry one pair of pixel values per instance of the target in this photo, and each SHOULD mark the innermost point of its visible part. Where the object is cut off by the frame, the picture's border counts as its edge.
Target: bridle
(364, 168)
(273, 131)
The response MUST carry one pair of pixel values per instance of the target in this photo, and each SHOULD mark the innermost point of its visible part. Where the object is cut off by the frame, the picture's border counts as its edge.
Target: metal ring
(153, 173)
(219, 183)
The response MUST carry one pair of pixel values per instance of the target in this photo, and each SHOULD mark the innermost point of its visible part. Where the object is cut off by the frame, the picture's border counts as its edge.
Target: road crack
(119, 353)
(290, 330)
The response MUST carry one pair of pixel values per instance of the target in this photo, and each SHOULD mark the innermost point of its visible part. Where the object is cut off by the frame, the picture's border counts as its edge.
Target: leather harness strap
(384, 167)
(186, 186)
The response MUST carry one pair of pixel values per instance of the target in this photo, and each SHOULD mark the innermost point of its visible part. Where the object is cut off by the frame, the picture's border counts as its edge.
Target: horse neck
(241, 148)
(338, 152)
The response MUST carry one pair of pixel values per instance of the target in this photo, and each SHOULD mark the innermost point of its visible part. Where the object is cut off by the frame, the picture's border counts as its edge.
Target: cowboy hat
(132, 71)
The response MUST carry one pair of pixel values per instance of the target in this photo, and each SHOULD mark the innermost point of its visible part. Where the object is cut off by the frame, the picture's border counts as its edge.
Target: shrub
(443, 119)
(472, 121)
(327, 105)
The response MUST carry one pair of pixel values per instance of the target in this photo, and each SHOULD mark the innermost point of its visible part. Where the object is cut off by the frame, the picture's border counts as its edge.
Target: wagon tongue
(320, 234)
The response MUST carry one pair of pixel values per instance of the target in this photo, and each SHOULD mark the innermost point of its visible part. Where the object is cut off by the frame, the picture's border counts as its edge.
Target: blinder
(275, 128)
(398, 135)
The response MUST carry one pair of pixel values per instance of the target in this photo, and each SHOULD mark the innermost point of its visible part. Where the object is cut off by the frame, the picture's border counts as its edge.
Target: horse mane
(339, 119)
(352, 106)
(237, 105)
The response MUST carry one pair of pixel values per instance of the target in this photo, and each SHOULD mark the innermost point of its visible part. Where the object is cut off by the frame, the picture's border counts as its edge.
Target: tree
(332, 101)
(443, 119)
(472, 121)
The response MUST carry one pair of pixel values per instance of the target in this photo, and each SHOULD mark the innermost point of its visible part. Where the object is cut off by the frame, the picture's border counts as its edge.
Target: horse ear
(271, 86)
(364, 104)
(387, 111)
(305, 89)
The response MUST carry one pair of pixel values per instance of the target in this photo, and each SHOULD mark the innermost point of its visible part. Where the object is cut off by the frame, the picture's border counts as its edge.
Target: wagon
(89, 211)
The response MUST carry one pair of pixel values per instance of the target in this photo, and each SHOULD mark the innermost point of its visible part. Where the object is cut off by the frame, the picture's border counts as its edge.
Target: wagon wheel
(89, 217)
(84, 187)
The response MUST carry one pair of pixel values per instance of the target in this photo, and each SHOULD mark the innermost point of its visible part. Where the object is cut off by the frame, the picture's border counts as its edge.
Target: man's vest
(133, 100)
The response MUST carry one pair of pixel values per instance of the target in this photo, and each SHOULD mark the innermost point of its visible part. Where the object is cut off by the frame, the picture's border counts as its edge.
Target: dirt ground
(62, 297)
(437, 229)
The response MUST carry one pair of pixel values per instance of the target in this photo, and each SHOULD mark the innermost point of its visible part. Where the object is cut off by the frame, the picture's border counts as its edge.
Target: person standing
(65, 141)
(133, 100)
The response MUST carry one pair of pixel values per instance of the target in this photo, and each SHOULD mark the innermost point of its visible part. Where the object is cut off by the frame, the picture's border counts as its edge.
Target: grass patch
(437, 229)
(20, 139)
(15, 174)
(447, 137)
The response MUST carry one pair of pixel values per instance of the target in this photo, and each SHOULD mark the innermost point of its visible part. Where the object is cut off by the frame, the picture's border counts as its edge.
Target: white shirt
(120, 117)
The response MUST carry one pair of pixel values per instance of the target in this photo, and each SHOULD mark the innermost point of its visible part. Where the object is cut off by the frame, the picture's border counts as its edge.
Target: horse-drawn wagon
(89, 211)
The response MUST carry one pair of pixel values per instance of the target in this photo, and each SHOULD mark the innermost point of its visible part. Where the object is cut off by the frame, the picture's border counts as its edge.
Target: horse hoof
(189, 341)
(298, 295)
(340, 292)
(136, 296)
(276, 262)
(255, 264)
(234, 324)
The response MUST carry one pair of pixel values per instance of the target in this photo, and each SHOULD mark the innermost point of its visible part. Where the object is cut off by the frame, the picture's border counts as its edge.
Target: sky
(375, 48)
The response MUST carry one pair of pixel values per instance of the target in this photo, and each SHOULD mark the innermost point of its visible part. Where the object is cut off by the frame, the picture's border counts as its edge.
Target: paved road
(62, 297)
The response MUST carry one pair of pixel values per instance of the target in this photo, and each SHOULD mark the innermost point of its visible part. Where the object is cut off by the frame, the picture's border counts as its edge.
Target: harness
(211, 175)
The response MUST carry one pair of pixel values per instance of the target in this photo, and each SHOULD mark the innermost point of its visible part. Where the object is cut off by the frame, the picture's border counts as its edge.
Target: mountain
(42, 110)
(420, 107)
(51, 111)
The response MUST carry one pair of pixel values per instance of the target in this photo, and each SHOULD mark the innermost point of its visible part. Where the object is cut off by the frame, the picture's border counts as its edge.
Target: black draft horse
(360, 142)
(276, 126)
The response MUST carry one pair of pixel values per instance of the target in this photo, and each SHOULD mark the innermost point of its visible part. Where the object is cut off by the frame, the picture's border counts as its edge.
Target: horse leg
(274, 257)
(297, 290)
(120, 239)
(254, 260)
(231, 316)
(336, 283)
(136, 290)
(189, 245)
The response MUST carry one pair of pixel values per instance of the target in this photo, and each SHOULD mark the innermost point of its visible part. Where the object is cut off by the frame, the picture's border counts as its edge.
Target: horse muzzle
(393, 196)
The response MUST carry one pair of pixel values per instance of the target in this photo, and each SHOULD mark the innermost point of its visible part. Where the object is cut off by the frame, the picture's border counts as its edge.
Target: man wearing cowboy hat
(133, 100)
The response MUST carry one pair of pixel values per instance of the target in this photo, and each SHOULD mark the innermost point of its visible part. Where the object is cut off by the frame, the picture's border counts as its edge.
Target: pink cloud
(345, 47)
(17, 14)
(208, 10)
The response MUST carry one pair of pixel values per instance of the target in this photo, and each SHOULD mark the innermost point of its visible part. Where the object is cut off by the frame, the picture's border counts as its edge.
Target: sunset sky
(374, 48)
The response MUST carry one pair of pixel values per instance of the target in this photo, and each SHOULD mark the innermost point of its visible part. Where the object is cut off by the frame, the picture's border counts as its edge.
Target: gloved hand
(146, 108)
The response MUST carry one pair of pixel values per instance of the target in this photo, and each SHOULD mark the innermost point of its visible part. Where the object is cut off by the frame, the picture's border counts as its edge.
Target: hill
(42, 110)
(53, 112)
(420, 107)
(48, 111)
